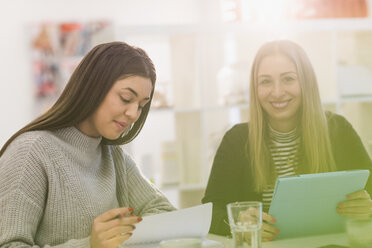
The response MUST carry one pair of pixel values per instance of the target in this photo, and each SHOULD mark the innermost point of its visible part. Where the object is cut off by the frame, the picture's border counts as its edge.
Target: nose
(277, 90)
(132, 111)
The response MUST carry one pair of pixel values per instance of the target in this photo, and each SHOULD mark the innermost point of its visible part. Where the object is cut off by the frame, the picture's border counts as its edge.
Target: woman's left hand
(358, 205)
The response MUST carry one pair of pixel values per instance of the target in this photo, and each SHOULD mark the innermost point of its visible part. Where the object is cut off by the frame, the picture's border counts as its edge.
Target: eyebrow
(281, 74)
(135, 93)
(288, 72)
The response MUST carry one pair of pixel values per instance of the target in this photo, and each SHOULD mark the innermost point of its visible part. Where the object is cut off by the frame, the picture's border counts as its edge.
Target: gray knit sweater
(53, 184)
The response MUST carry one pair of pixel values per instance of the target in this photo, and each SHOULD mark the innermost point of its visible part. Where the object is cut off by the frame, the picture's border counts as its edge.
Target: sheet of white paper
(184, 223)
(207, 243)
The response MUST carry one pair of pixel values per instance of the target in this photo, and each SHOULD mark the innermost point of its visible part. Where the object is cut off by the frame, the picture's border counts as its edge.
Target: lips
(280, 104)
(121, 124)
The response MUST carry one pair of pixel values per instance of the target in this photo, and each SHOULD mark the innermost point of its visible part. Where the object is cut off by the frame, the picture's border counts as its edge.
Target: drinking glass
(245, 220)
(181, 243)
(359, 232)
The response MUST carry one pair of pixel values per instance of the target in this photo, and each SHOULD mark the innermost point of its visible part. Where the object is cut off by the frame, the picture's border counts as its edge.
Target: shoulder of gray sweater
(124, 160)
(28, 142)
(27, 155)
(121, 156)
(20, 168)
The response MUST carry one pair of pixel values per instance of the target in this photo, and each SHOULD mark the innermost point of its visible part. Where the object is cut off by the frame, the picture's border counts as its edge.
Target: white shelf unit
(191, 56)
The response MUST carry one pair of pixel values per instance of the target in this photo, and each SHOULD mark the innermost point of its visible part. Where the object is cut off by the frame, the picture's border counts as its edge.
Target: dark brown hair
(88, 86)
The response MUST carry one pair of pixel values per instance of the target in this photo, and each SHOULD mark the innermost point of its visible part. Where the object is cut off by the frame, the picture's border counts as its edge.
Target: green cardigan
(230, 177)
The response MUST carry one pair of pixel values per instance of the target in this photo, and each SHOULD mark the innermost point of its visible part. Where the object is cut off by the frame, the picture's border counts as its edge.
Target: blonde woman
(289, 133)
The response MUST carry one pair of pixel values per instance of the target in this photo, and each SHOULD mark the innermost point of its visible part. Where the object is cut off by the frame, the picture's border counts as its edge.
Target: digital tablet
(306, 204)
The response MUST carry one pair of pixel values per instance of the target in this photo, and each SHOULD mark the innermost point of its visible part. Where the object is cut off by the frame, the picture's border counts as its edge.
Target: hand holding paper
(189, 222)
(110, 231)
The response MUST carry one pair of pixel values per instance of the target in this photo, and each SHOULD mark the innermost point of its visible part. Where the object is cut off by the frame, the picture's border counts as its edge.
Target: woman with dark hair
(64, 180)
(289, 133)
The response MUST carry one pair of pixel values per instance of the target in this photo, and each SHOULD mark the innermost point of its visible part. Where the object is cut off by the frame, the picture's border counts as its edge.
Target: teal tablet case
(306, 204)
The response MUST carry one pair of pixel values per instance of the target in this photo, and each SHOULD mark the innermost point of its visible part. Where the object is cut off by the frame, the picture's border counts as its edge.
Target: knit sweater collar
(79, 140)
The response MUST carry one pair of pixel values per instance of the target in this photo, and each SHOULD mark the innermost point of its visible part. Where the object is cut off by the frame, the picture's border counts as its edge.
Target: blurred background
(202, 50)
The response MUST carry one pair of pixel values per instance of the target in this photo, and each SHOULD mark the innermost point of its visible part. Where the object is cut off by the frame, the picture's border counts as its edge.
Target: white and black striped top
(283, 148)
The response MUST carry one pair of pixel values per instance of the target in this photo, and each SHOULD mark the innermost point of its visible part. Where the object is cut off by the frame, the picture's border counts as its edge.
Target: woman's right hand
(268, 231)
(109, 230)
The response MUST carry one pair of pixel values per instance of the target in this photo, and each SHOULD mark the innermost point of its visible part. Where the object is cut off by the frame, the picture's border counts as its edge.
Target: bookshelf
(190, 60)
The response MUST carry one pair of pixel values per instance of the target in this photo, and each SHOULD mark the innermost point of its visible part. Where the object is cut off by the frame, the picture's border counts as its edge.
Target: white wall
(16, 96)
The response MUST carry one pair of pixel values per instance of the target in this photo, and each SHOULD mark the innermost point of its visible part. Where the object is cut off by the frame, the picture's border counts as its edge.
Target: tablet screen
(306, 204)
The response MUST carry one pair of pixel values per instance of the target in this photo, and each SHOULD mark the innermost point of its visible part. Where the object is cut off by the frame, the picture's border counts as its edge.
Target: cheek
(262, 94)
(298, 97)
(104, 113)
(112, 108)
(296, 89)
(98, 118)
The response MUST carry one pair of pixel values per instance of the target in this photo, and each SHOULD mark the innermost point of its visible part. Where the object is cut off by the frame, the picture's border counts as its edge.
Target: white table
(304, 242)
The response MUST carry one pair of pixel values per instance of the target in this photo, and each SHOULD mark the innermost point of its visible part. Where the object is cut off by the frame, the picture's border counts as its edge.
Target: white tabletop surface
(305, 242)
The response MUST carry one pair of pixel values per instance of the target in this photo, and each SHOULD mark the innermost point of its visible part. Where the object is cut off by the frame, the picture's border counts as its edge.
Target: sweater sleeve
(23, 192)
(350, 152)
(225, 181)
(143, 196)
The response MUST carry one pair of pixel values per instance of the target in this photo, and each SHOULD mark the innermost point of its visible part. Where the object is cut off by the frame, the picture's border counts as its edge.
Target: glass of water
(245, 220)
(359, 232)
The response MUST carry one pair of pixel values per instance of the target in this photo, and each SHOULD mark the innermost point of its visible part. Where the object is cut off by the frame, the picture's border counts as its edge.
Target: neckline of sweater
(79, 140)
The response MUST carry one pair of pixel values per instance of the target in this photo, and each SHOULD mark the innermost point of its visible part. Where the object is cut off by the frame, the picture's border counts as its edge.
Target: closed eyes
(124, 100)
(127, 101)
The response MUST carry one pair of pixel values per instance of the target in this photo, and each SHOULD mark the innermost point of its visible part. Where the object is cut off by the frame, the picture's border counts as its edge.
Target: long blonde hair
(315, 143)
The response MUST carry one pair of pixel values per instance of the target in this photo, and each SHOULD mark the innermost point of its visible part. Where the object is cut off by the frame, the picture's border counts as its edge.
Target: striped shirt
(283, 148)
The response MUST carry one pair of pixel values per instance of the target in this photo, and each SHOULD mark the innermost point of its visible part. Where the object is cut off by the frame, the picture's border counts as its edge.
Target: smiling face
(279, 91)
(121, 107)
